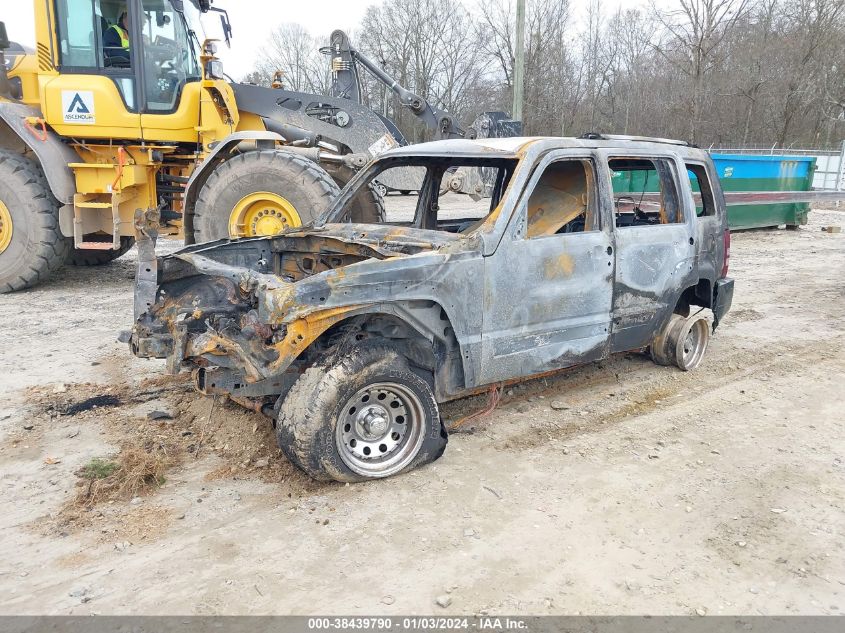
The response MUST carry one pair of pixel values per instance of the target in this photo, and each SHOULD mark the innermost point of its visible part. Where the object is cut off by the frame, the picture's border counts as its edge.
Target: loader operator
(116, 42)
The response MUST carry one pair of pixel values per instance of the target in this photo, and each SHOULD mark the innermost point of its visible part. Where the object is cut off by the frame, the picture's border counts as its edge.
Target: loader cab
(141, 54)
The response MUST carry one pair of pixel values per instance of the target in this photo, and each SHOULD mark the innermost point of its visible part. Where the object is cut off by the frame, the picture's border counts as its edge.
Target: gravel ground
(644, 490)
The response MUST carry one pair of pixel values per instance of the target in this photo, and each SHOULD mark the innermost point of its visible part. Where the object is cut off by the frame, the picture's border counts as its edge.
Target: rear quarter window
(702, 191)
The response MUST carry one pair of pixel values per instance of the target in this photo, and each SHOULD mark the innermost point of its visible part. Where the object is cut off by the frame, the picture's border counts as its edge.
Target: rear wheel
(682, 342)
(261, 193)
(90, 257)
(31, 244)
(366, 415)
(688, 341)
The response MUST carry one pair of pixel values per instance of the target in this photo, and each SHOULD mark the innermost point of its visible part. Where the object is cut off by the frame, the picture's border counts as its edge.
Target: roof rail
(623, 137)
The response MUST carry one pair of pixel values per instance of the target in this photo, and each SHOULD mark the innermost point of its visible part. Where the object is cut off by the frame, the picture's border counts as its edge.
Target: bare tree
(293, 51)
(710, 71)
(431, 47)
(696, 33)
(548, 68)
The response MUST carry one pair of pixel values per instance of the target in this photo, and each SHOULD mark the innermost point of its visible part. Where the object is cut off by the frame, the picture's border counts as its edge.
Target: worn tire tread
(26, 176)
(305, 410)
(206, 210)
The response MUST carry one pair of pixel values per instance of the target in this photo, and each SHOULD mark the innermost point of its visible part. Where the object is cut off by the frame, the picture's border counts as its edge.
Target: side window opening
(90, 41)
(439, 194)
(563, 201)
(169, 60)
(644, 192)
(702, 191)
(80, 30)
(97, 35)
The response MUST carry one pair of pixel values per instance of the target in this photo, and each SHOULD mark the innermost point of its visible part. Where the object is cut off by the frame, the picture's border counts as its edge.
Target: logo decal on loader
(78, 106)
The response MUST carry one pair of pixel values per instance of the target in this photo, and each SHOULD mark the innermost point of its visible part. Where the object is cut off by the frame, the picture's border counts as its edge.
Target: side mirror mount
(227, 30)
(5, 85)
(4, 39)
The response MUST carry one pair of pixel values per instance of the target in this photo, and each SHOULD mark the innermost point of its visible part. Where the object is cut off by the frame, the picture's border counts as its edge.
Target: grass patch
(98, 468)
(138, 469)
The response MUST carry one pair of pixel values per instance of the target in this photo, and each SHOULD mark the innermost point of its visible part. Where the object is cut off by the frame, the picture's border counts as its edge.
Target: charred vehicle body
(349, 334)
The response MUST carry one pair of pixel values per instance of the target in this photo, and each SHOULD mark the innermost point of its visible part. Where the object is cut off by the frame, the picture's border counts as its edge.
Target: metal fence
(830, 163)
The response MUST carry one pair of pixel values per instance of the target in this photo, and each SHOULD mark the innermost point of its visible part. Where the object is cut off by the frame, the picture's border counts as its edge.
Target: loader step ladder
(96, 202)
(95, 246)
(94, 198)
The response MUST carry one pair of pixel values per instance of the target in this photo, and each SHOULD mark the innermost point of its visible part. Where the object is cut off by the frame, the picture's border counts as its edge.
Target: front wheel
(261, 193)
(31, 245)
(366, 415)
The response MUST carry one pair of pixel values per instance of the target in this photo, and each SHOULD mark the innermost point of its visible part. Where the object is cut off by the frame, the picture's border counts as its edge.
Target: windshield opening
(451, 194)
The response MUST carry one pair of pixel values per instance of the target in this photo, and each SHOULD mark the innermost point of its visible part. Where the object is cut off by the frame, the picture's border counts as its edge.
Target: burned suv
(349, 335)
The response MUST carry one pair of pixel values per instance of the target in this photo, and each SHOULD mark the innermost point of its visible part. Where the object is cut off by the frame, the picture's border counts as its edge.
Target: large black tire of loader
(300, 181)
(91, 257)
(314, 417)
(369, 204)
(37, 248)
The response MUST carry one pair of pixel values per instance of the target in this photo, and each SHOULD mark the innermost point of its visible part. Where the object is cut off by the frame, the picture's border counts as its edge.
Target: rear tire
(31, 245)
(688, 341)
(87, 257)
(300, 190)
(321, 430)
(659, 348)
(683, 342)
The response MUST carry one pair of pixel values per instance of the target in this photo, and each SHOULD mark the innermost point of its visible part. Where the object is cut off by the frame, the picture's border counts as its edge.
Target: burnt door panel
(547, 296)
(655, 251)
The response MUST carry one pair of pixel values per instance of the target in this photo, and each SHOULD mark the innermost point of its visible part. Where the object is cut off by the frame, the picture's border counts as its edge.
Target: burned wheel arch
(420, 329)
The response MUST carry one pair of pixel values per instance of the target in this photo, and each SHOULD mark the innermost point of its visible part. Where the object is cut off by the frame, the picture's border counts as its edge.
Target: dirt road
(640, 490)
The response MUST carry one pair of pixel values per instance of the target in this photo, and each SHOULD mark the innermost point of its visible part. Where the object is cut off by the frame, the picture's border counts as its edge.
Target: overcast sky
(253, 20)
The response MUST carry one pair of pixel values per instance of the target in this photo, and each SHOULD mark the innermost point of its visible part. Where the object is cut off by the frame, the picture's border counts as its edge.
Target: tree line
(713, 72)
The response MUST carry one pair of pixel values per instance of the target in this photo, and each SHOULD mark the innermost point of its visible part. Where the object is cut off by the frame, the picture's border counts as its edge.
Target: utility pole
(519, 61)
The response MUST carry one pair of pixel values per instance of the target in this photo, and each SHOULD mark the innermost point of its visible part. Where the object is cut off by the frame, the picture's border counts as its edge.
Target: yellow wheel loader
(120, 121)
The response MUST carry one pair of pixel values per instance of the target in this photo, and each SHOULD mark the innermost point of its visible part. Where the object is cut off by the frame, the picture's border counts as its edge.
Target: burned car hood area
(235, 299)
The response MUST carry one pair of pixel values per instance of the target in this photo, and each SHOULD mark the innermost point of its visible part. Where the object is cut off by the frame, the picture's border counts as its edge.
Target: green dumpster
(745, 172)
(742, 172)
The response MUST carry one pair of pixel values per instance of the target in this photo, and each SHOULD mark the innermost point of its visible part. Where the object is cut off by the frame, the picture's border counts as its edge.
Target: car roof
(517, 146)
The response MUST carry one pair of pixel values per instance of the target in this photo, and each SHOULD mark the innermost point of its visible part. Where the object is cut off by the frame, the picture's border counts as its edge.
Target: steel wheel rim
(262, 213)
(694, 343)
(6, 227)
(380, 429)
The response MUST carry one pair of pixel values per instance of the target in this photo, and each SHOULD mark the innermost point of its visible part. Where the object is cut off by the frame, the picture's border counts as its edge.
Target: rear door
(655, 244)
(710, 218)
(548, 286)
